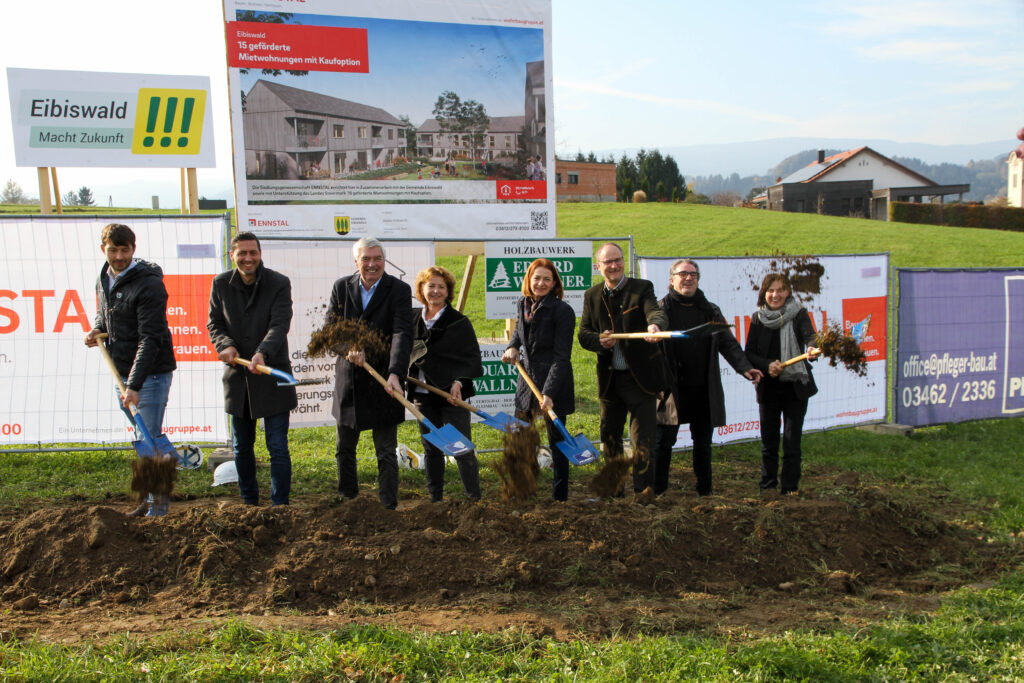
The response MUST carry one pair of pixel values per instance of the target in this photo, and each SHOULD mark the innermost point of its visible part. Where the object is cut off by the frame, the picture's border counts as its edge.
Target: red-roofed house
(859, 182)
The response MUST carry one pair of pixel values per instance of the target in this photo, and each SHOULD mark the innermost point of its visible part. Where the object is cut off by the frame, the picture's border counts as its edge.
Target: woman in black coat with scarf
(544, 331)
(451, 361)
(780, 329)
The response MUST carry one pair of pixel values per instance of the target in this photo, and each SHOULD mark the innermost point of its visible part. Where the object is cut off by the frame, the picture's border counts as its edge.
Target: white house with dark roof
(292, 133)
(500, 140)
(859, 182)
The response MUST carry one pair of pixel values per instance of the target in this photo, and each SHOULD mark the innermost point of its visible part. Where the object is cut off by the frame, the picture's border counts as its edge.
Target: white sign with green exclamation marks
(79, 118)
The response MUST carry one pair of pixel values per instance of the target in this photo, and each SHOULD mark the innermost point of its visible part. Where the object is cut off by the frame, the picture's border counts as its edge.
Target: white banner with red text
(56, 390)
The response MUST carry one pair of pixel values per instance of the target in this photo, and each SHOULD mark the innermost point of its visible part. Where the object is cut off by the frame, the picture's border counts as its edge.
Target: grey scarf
(789, 346)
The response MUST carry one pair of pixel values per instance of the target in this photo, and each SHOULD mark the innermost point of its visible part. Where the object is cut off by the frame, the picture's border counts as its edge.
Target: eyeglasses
(611, 261)
(687, 274)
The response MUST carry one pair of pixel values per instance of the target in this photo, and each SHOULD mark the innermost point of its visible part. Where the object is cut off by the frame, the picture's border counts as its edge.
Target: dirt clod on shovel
(340, 335)
(518, 467)
(156, 475)
(842, 348)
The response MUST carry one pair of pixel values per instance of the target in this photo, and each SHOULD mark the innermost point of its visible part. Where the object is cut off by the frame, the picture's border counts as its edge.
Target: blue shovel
(146, 446)
(448, 439)
(711, 326)
(285, 380)
(578, 449)
(503, 422)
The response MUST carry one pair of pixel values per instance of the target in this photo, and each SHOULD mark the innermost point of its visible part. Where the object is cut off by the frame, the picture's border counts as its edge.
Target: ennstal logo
(275, 223)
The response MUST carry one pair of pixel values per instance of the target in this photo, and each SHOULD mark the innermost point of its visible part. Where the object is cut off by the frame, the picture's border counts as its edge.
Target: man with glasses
(630, 372)
(383, 303)
(695, 386)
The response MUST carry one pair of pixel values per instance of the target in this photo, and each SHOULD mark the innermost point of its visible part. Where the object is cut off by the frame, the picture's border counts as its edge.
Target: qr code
(538, 220)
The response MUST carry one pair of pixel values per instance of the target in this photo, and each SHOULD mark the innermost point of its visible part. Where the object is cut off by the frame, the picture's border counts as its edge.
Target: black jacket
(722, 342)
(134, 315)
(256, 321)
(453, 352)
(546, 353)
(360, 402)
(759, 341)
(630, 309)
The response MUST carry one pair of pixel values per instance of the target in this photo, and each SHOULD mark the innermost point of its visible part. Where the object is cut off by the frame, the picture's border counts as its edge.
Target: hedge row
(959, 215)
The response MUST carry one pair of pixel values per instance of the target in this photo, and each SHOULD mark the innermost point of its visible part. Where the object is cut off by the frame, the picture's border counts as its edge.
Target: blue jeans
(243, 439)
(152, 402)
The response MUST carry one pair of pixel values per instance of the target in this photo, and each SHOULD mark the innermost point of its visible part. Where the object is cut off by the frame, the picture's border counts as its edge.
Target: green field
(972, 633)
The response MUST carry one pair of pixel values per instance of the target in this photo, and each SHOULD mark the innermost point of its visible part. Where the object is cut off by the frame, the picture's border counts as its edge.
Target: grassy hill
(697, 230)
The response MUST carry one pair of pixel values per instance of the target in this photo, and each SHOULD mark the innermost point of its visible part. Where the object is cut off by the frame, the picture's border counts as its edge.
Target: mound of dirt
(622, 555)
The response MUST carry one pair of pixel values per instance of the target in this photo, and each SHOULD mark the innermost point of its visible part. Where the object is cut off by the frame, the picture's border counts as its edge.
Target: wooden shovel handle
(441, 392)
(398, 397)
(259, 368)
(110, 362)
(533, 387)
(803, 356)
(664, 334)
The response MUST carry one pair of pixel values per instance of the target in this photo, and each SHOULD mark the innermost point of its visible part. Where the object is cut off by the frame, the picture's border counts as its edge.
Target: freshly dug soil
(837, 552)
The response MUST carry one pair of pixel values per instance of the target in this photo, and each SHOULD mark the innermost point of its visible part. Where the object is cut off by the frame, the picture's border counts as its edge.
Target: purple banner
(959, 346)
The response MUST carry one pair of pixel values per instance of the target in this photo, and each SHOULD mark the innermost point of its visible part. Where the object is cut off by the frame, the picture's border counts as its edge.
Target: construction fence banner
(399, 119)
(851, 290)
(118, 120)
(56, 390)
(505, 265)
(960, 345)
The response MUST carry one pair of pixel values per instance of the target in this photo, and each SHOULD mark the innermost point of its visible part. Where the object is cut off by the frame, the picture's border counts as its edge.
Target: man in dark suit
(250, 313)
(629, 371)
(384, 304)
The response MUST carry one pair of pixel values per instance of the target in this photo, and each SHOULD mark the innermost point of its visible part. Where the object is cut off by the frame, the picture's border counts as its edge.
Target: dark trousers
(243, 439)
(693, 406)
(385, 442)
(559, 463)
(625, 396)
(790, 410)
(440, 412)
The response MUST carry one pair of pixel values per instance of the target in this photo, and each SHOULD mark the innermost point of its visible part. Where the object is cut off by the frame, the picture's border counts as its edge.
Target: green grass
(976, 634)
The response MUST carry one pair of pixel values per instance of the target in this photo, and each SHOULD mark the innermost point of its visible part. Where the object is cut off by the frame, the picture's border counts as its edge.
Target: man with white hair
(384, 304)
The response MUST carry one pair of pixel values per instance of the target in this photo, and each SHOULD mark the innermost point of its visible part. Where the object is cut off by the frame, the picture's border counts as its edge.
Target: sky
(659, 73)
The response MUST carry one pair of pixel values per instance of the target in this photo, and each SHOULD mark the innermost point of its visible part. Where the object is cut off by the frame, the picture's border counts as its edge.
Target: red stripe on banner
(256, 45)
(521, 189)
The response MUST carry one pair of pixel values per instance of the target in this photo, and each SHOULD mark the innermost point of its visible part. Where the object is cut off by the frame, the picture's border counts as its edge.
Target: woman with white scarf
(781, 329)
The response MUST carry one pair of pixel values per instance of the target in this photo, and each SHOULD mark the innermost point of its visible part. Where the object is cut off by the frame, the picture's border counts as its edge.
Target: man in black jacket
(250, 313)
(629, 372)
(696, 380)
(132, 311)
(383, 303)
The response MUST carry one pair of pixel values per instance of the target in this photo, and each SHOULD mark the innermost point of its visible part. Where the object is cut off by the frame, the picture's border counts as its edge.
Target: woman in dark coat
(451, 361)
(544, 332)
(781, 329)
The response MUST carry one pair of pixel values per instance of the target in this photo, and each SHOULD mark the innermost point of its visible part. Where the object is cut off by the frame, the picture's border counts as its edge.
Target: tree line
(13, 194)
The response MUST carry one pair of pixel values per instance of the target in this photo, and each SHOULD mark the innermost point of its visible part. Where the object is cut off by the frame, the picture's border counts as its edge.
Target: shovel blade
(503, 422)
(144, 449)
(579, 451)
(449, 440)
